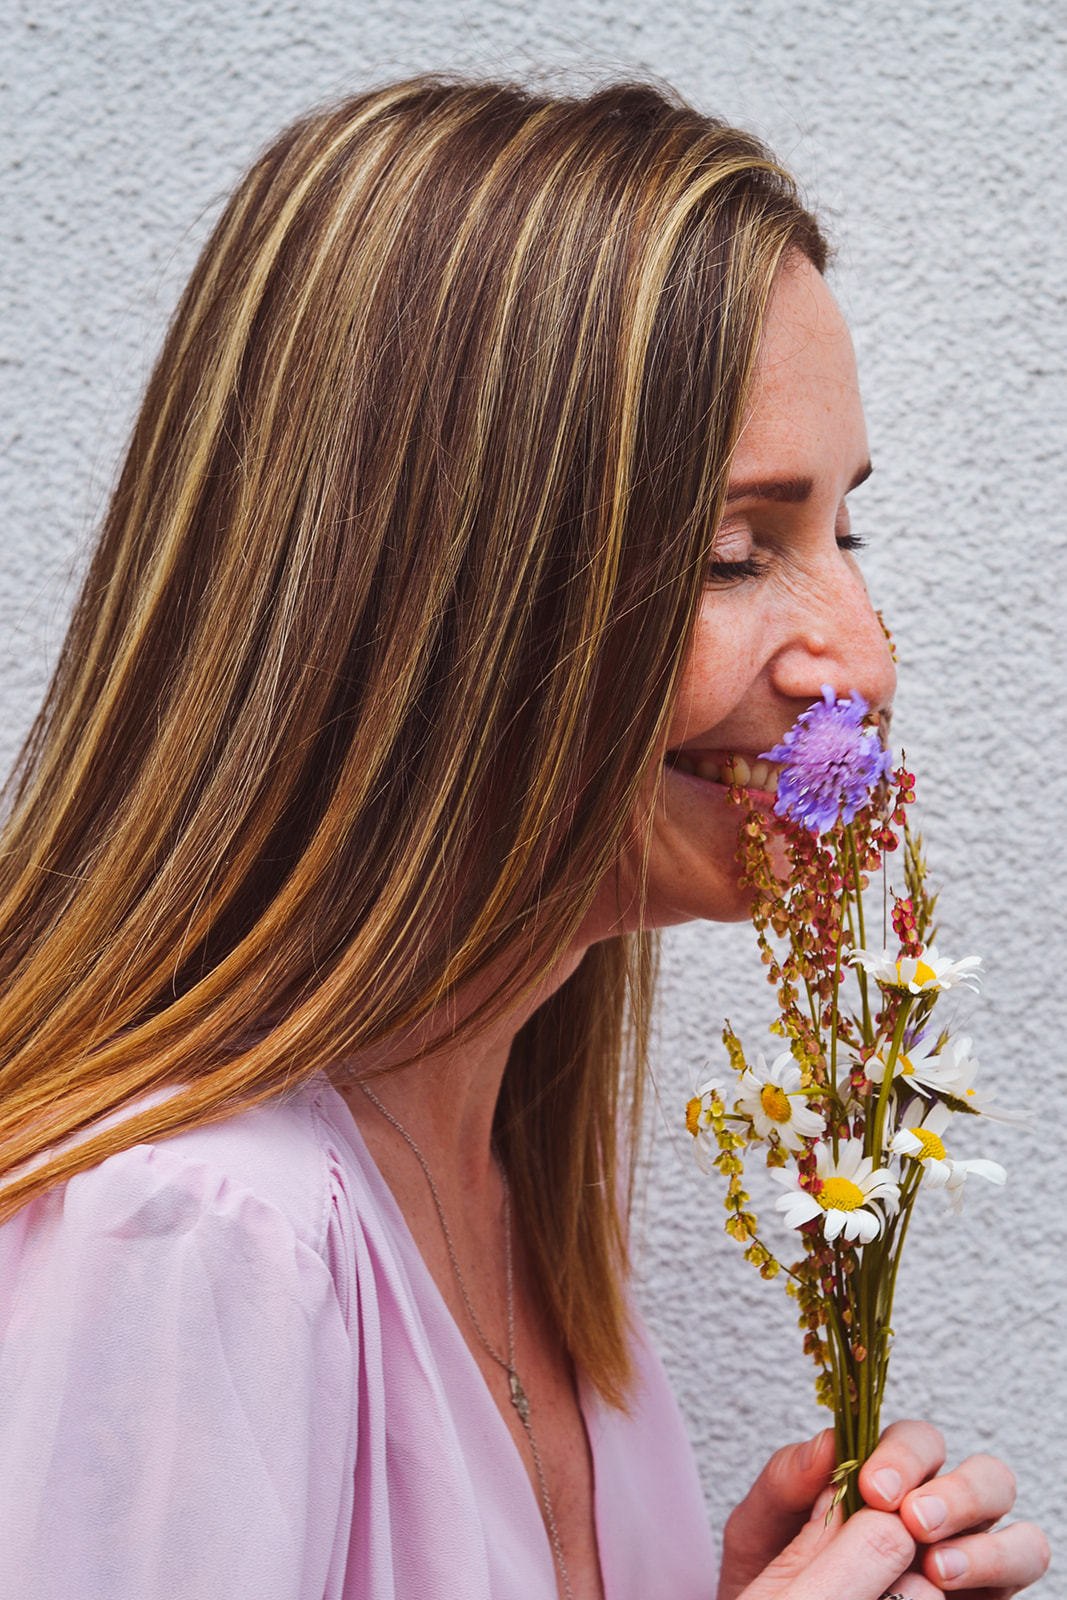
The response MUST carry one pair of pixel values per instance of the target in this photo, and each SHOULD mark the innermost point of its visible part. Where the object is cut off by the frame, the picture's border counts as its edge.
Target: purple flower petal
(831, 763)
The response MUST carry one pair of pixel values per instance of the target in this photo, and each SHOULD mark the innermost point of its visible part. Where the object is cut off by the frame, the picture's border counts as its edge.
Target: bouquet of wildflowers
(853, 1115)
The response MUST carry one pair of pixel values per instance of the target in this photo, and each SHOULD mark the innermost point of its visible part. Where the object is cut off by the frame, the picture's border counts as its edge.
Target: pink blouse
(227, 1374)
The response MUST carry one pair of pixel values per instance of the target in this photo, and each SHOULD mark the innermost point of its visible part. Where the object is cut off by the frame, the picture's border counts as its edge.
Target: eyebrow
(786, 491)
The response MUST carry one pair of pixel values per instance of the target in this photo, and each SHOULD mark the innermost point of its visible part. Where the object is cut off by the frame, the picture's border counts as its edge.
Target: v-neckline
(391, 1211)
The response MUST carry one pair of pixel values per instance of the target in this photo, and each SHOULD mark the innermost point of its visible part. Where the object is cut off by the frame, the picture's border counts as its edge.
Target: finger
(969, 1499)
(784, 1493)
(793, 1477)
(777, 1505)
(825, 1513)
(1004, 1561)
(858, 1561)
(906, 1455)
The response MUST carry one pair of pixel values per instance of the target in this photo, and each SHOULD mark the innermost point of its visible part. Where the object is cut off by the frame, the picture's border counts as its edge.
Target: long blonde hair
(382, 633)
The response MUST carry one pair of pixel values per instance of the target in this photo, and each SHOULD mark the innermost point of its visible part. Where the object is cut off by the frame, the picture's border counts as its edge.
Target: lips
(726, 767)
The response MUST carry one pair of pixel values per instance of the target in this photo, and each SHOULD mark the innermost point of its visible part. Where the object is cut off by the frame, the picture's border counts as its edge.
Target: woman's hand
(919, 1535)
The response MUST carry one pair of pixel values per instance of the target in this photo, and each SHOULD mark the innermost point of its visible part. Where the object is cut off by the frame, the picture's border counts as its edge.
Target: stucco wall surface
(930, 135)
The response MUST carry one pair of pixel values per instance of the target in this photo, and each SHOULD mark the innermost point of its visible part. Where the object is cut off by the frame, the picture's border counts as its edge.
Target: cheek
(722, 665)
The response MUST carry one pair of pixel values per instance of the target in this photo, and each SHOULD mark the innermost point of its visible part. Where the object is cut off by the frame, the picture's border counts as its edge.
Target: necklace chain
(516, 1391)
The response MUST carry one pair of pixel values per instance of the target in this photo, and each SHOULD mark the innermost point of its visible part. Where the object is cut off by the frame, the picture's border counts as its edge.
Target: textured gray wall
(929, 133)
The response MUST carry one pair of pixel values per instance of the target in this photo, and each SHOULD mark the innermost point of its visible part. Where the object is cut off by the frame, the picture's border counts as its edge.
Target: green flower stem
(909, 1190)
(868, 1029)
(851, 837)
(874, 1135)
(863, 1404)
(844, 1422)
(812, 1006)
(871, 1294)
(865, 1001)
(833, 1025)
(868, 1268)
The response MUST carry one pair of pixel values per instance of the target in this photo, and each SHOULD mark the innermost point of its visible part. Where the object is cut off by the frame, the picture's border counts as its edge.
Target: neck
(445, 1094)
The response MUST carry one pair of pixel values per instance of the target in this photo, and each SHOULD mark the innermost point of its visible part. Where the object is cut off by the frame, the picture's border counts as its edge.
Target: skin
(766, 641)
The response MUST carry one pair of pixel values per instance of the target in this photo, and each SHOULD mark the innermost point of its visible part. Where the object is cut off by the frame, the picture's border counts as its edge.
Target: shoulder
(274, 1155)
(199, 1263)
(261, 1184)
(177, 1370)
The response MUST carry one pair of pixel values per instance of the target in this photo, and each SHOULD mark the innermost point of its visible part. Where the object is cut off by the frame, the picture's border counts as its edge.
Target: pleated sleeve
(178, 1391)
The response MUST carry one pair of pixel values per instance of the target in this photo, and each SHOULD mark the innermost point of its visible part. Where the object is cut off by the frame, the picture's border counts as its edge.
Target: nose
(836, 637)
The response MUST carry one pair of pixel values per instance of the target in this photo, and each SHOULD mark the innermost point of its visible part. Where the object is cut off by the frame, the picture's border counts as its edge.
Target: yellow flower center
(775, 1103)
(840, 1194)
(923, 974)
(906, 1067)
(692, 1116)
(931, 1145)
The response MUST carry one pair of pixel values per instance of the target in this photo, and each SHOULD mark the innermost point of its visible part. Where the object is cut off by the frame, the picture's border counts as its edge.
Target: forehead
(805, 407)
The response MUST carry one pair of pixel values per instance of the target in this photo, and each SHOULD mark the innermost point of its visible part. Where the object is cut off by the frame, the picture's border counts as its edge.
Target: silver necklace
(515, 1388)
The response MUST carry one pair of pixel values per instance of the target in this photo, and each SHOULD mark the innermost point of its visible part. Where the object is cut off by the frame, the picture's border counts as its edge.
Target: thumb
(856, 1560)
(775, 1510)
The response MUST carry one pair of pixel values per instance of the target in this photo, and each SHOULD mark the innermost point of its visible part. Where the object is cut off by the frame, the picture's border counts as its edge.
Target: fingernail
(807, 1452)
(950, 1563)
(930, 1511)
(889, 1484)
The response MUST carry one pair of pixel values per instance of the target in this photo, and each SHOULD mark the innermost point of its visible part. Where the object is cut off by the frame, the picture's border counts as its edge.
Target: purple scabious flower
(830, 762)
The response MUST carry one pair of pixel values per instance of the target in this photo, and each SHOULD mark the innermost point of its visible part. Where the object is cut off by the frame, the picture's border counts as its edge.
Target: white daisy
(845, 1196)
(771, 1097)
(960, 1172)
(912, 1064)
(698, 1120)
(920, 1138)
(950, 1072)
(917, 974)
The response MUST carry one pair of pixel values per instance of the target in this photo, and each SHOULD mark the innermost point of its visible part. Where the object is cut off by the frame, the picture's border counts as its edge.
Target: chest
(446, 1491)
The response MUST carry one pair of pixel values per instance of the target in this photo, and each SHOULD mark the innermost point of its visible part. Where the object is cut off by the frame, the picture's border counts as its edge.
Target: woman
(488, 494)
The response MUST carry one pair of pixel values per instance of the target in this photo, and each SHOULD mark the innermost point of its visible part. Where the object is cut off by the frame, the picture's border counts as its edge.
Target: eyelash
(730, 571)
(752, 567)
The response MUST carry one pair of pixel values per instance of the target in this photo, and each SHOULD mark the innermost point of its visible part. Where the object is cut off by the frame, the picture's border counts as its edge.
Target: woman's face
(784, 612)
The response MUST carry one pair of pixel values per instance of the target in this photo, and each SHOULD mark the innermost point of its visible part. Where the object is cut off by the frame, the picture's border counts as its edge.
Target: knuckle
(917, 1447)
(886, 1537)
(1000, 1473)
(987, 1486)
(916, 1432)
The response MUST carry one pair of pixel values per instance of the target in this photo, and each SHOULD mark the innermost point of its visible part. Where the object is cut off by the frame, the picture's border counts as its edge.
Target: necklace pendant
(518, 1396)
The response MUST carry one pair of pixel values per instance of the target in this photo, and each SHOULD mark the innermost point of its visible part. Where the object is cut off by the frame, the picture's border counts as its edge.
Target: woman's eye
(846, 539)
(734, 554)
(728, 571)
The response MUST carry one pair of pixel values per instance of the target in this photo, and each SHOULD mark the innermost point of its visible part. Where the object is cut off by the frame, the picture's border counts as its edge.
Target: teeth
(734, 769)
(759, 775)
